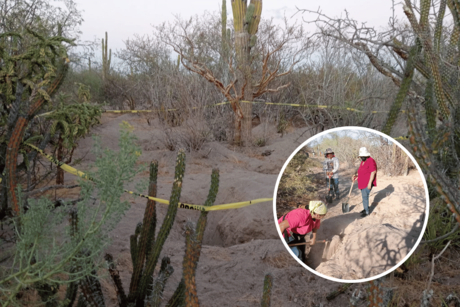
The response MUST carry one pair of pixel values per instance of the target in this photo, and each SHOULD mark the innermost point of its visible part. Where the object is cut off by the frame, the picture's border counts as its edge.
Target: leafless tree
(274, 55)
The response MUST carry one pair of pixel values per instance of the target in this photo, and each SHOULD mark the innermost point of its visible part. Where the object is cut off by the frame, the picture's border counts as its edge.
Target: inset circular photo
(351, 204)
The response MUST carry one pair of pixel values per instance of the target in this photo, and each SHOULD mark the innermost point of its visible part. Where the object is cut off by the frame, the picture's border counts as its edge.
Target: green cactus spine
(438, 27)
(193, 243)
(402, 93)
(122, 299)
(158, 286)
(91, 290)
(147, 233)
(72, 288)
(153, 219)
(134, 245)
(430, 109)
(266, 297)
(178, 298)
(189, 266)
(167, 223)
(106, 58)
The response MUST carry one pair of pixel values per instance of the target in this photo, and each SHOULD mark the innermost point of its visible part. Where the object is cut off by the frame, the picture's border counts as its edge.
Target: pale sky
(123, 19)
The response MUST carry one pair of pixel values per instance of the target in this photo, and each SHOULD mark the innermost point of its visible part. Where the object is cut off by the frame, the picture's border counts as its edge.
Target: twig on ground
(432, 265)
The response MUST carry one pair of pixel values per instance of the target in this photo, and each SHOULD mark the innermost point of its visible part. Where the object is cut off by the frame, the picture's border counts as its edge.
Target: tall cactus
(246, 21)
(106, 58)
(147, 232)
(193, 243)
(167, 223)
(435, 147)
(225, 39)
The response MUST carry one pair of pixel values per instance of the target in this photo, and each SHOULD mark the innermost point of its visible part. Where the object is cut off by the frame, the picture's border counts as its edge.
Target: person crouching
(299, 222)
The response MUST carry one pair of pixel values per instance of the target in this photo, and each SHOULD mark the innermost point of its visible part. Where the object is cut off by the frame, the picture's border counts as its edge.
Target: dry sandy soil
(365, 247)
(242, 245)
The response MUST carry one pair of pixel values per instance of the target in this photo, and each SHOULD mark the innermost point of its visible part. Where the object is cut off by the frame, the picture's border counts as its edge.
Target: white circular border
(426, 197)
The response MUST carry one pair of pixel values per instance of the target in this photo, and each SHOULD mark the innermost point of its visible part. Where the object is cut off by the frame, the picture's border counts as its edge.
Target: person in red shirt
(300, 222)
(367, 177)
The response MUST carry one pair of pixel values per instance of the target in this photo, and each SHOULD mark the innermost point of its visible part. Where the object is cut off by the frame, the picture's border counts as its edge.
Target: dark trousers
(334, 185)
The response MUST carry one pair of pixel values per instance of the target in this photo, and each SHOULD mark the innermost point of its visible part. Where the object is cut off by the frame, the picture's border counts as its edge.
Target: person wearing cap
(299, 222)
(331, 168)
(366, 176)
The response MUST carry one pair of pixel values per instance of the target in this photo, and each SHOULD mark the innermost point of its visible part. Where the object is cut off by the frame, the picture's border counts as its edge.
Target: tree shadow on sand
(380, 196)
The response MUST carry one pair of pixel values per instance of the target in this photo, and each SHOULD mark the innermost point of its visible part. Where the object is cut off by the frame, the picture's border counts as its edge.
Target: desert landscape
(241, 245)
(202, 103)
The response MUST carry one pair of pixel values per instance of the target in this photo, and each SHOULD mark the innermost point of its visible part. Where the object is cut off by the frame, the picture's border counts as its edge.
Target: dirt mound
(367, 252)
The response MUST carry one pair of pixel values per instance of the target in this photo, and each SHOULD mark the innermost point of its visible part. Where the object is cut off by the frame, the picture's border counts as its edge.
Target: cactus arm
(430, 109)
(423, 155)
(193, 244)
(438, 27)
(51, 89)
(166, 270)
(91, 290)
(402, 93)
(147, 233)
(167, 223)
(239, 11)
(122, 300)
(11, 161)
(268, 284)
(189, 266)
(256, 15)
(224, 21)
(424, 12)
(178, 298)
(431, 61)
(134, 245)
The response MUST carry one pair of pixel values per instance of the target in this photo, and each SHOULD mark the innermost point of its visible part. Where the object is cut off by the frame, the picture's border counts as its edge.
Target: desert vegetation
(205, 81)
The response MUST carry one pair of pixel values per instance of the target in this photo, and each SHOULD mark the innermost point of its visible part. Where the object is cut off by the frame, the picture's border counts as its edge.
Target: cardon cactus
(106, 57)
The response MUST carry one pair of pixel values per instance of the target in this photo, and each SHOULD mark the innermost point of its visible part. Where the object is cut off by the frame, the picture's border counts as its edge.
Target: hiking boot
(364, 214)
(364, 211)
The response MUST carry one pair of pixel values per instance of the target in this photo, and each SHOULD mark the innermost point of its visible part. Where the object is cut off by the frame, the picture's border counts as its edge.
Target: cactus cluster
(145, 289)
(435, 146)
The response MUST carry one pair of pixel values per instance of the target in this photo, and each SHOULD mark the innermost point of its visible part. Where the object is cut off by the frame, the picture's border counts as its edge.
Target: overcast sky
(123, 19)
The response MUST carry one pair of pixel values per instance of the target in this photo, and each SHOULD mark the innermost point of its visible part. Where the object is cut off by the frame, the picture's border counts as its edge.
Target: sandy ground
(374, 244)
(242, 245)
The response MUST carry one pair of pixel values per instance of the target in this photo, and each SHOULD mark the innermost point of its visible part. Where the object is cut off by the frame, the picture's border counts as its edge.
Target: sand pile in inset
(368, 251)
(331, 247)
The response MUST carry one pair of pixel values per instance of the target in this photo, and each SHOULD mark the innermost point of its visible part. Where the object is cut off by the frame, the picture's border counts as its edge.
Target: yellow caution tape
(62, 165)
(76, 172)
(245, 101)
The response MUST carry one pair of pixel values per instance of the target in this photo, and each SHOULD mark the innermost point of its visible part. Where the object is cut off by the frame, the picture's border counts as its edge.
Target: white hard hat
(363, 152)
